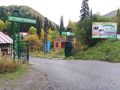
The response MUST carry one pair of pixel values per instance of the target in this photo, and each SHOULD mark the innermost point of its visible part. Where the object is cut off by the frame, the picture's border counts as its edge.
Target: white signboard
(104, 30)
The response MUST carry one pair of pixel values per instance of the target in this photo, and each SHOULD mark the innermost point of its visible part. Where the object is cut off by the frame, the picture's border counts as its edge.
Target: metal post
(16, 40)
(19, 43)
(28, 51)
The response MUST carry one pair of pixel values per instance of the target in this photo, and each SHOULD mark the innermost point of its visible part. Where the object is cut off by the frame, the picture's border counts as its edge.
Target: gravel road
(33, 80)
(79, 74)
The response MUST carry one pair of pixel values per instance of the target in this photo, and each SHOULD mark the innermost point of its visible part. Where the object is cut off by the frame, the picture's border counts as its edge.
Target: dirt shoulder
(33, 80)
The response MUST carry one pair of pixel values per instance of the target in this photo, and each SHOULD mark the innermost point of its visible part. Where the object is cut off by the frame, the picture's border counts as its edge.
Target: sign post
(68, 45)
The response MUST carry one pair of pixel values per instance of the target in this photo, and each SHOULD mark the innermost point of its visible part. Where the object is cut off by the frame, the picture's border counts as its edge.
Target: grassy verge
(17, 73)
(11, 69)
(50, 55)
(108, 50)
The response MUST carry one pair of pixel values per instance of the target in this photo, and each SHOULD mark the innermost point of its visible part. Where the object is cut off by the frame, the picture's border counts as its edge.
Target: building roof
(5, 39)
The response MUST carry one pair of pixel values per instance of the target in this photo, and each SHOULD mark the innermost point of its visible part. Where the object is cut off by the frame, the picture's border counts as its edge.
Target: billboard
(104, 30)
(118, 36)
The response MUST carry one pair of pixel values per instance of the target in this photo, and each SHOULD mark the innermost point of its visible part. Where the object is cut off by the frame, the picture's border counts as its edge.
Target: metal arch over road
(19, 19)
(16, 29)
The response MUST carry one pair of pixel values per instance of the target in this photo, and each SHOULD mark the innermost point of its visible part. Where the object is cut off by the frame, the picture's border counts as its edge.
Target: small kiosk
(5, 44)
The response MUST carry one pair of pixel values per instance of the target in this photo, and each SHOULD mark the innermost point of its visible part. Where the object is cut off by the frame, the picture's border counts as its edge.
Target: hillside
(26, 12)
(111, 14)
(108, 50)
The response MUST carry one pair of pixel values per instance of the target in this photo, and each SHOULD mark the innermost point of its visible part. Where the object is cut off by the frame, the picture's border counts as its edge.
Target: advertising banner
(104, 30)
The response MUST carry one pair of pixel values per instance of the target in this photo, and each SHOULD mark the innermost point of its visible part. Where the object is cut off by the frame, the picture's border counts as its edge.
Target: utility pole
(45, 35)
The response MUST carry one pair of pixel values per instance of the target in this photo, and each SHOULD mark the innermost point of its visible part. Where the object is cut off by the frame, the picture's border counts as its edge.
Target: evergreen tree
(91, 14)
(118, 12)
(39, 26)
(61, 25)
(84, 10)
(118, 20)
(72, 25)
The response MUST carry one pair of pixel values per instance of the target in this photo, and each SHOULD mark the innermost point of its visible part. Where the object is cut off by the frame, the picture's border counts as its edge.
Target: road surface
(79, 74)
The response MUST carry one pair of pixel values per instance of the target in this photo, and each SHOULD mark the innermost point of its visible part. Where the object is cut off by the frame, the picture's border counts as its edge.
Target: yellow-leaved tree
(2, 25)
(33, 39)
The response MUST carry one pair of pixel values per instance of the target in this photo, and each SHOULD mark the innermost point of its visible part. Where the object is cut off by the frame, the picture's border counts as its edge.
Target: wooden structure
(5, 44)
(59, 43)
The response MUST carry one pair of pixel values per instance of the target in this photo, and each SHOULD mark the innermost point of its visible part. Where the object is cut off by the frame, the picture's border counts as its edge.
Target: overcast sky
(70, 9)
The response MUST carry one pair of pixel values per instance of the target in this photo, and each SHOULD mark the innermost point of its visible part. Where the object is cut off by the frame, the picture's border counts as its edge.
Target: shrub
(9, 65)
(107, 50)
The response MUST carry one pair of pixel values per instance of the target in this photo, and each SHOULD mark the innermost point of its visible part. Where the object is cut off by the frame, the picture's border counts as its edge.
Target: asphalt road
(79, 75)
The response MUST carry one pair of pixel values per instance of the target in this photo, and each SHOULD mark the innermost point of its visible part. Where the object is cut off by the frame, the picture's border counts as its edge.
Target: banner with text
(104, 30)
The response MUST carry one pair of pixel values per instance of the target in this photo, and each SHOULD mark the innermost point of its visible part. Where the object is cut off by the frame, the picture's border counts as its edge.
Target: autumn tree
(32, 30)
(2, 25)
(7, 25)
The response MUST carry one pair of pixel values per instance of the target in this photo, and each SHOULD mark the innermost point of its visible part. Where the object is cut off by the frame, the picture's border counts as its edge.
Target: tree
(2, 25)
(91, 14)
(61, 25)
(86, 25)
(50, 35)
(32, 30)
(38, 26)
(84, 12)
(7, 25)
(72, 25)
(34, 41)
(118, 20)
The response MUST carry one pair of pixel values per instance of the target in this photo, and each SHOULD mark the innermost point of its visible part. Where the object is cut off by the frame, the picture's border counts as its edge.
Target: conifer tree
(84, 12)
(61, 25)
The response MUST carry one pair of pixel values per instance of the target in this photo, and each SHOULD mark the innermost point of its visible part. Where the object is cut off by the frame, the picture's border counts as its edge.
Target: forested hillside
(26, 12)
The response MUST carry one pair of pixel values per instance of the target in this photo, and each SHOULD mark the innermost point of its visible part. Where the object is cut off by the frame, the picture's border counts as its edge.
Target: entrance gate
(20, 49)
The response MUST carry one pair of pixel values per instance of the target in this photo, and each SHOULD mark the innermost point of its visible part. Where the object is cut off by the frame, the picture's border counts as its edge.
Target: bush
(108, 50)
(9, 65)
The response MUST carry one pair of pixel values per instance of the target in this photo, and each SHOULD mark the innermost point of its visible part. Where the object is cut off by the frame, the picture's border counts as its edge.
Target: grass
(11, 69)
(108, 50)
(68, 58)
(13, 75)
(50, 55)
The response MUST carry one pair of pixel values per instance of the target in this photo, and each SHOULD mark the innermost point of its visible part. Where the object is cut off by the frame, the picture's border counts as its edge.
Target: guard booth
(25, 50)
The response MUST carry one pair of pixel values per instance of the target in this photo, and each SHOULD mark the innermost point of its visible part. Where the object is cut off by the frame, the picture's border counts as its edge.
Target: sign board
(104, 30)
(63, 33)
(68, 33)
(118, 36)
(19, 19)
(23, 35)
